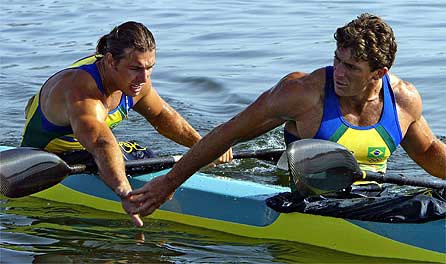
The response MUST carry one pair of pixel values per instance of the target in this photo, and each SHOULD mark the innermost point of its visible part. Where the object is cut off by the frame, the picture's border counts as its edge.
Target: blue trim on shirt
(48, 126)
(333, 118)
(330, 119)
(92, 69)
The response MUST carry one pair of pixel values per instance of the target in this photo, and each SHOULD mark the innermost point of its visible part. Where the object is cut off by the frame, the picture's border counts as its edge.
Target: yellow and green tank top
(41, 133)
(371, 145)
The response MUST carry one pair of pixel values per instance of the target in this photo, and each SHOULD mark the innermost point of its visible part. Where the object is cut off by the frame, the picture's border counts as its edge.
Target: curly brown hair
(127, 35)
(370, 39)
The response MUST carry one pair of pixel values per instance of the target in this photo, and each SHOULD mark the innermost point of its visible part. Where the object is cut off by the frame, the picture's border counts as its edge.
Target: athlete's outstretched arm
(270, 110)
(166, 120)
(169, 123)
(87, 114)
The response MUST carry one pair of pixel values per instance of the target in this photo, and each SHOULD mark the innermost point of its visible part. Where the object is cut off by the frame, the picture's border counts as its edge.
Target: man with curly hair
(356, 102)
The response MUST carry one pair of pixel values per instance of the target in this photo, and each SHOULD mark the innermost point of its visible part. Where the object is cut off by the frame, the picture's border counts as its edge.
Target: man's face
(134, 71)
(351, 77)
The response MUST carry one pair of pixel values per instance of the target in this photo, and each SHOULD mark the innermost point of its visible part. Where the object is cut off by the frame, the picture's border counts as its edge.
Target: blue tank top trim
(332, 117)
(92, 69)
(127, 105)
(126, 101)
(48, 126)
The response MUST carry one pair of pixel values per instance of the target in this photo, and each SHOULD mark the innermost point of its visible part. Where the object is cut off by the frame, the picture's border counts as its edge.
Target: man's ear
(379, 73)
(110, 61)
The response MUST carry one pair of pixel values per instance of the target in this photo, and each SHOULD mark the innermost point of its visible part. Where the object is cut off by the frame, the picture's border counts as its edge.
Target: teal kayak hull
(238, 207)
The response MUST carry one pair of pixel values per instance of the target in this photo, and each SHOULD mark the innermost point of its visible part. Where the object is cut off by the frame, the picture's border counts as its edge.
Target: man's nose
(339, 70)
(143, 76)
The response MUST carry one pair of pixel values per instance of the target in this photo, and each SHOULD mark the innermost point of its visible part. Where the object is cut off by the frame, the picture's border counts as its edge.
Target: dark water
(213, 59)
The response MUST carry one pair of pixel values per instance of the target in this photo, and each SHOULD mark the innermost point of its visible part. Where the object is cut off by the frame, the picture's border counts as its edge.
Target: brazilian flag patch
(376, 153)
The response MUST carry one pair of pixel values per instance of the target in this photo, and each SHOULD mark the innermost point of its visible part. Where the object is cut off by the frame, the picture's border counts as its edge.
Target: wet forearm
(106, 152)
(111, 167)
(173, 126)
(182, 133)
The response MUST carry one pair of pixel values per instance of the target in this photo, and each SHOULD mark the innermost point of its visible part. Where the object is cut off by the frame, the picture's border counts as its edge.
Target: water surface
(213, 59)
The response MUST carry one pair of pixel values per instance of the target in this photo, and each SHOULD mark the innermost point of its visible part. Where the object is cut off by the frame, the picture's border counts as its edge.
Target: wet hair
(131, 35)
(370, 39)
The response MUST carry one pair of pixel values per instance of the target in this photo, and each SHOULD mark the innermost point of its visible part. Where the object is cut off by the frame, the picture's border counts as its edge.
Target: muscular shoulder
(74, 84)
(406, 96)
(298, 92)
(82, 80)
(304, 84)
(299, 79)
(65, 89)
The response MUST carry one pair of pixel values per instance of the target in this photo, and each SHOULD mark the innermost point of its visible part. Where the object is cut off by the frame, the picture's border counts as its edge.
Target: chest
(113, 101)
(117, 107)
(308, 124)
(362, 116)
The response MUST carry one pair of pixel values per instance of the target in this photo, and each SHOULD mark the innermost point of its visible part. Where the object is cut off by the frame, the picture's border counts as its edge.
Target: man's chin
(339, 91)
(133, 92)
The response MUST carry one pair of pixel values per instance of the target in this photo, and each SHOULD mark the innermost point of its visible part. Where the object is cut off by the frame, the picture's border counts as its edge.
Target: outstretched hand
(154, 193)
(129, 207)
(151, 196)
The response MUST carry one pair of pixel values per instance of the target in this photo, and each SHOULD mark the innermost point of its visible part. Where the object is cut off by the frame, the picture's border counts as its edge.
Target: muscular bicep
(256, 119)
(417, 135)
(283, 102)
(418, 138)
(289, 99)
(87, 118)
(425, 149)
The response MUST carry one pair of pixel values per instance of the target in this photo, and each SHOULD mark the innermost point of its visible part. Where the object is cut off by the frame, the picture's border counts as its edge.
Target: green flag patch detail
(376, 153)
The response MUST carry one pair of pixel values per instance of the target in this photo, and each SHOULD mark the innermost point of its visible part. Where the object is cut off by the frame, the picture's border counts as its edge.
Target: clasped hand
(154, 193)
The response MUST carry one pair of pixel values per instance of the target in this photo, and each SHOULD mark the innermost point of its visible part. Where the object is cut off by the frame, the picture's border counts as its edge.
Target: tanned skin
(297, 100)
(72, 98)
